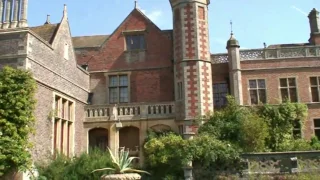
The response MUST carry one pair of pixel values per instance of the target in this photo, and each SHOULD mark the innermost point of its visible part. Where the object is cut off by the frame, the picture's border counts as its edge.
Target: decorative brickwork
(189, 27)
(191, 89)
(206, 83)
(177, 43)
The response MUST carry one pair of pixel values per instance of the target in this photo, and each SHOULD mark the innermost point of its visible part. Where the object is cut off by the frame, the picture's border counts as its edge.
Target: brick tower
(193, 80)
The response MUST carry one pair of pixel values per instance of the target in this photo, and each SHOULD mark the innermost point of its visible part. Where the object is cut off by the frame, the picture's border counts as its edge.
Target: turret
(233, 48)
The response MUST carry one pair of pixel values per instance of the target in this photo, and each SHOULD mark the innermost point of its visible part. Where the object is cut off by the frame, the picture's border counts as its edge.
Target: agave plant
(122, 167)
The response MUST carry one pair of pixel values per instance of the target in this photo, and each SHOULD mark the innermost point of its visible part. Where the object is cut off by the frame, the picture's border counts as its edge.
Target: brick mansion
(108, 90)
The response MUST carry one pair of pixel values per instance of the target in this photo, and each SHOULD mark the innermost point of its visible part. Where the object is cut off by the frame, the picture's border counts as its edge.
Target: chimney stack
(314, 27)
(13, 14)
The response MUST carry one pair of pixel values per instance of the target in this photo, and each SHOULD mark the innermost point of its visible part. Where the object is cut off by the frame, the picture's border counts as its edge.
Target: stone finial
(48, 19)
(65, 12)
(232, 42)
(135, 4)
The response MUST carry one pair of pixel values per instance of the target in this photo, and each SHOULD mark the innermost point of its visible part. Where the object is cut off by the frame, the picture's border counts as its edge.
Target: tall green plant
(17, 104)
(121, 164)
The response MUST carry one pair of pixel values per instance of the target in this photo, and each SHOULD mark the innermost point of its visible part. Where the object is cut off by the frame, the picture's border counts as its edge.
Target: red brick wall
(152, 85)
(113, 55)
(220, 72)
(147, 85)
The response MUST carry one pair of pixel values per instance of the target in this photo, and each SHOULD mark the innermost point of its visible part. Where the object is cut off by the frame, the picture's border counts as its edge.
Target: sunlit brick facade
(108, 90)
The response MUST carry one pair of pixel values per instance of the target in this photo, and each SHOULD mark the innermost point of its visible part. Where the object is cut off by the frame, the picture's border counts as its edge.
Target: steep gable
(113, 54)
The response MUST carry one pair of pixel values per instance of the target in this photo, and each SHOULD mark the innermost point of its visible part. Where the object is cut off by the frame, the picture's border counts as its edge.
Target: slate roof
(46, 31)
(89, 41)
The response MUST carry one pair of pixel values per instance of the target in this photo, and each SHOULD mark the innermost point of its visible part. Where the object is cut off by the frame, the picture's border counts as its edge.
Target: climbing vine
(17, 104)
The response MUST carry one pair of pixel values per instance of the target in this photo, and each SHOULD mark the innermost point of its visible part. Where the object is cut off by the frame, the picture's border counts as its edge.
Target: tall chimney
(1, 12)
(24, 12)
(314, 27)
(14, 21)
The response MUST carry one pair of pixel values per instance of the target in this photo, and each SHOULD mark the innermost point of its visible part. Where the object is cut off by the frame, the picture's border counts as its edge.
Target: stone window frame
(180, 90)
(288, 87)
(311, 86)
(314, 127)
(248, 87)
(55, 117)
(108, 74)
(228, 91)
(135, 33)
(66, 49)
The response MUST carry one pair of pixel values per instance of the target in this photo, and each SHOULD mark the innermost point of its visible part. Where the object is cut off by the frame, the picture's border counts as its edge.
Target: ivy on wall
(17, 104)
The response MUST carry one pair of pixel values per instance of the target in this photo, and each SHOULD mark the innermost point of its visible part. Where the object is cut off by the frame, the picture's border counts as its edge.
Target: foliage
(17, 103)
(121, 164)
(77, 168)
(240, 126)
(281, 120)
(165, 155)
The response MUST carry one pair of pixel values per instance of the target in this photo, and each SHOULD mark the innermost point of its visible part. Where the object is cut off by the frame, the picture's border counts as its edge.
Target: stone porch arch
(98, 138)
(129, 137)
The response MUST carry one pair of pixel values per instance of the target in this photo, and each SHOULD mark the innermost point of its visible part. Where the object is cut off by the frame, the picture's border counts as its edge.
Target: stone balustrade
(271, 53)
(134, 111)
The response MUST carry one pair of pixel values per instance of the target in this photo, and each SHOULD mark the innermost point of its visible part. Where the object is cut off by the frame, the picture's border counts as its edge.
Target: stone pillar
(314, 21)
(6, 24)
(235, 69)
(24, 12)
(114, 139)
(1, 12)
(14, 21)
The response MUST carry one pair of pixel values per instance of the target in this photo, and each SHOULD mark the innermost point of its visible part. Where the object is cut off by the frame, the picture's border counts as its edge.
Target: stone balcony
(270, 53)
(131, 111)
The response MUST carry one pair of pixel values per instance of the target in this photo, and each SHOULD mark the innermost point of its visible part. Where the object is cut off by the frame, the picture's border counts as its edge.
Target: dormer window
(135, 42)
(66, 51)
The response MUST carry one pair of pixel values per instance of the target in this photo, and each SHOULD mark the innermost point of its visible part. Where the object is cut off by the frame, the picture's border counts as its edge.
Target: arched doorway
(98, 138)
(129, 138)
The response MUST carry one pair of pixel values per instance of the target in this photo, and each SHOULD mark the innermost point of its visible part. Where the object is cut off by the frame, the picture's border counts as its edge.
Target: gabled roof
(89, 41)
(46, 31)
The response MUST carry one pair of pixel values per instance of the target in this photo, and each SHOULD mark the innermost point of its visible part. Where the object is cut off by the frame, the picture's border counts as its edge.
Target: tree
(17, 103)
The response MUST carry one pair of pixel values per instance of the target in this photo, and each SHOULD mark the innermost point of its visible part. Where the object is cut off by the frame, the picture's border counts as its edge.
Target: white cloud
(299, 10)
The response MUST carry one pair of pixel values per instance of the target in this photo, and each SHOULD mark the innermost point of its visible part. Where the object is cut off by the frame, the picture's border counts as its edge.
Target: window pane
(113, 81)
(315, 94)
(135, 42)
(142, 44)
(113, 95)
(123, 94)
(254, 96)
(293, 95)
(313, 81)
(252, 83)
(297, 133)
(262, 96)
(292, 81)
(317, 133)
(261, 83)
(316, 123)
(123, 80)
(283, 82)
(284, 94)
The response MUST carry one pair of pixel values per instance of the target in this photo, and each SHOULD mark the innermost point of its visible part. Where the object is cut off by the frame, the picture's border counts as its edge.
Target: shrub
(77, 168)
(17, 103)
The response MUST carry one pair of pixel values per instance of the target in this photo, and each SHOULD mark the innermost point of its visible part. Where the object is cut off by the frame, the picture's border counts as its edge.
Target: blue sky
(254, 21)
